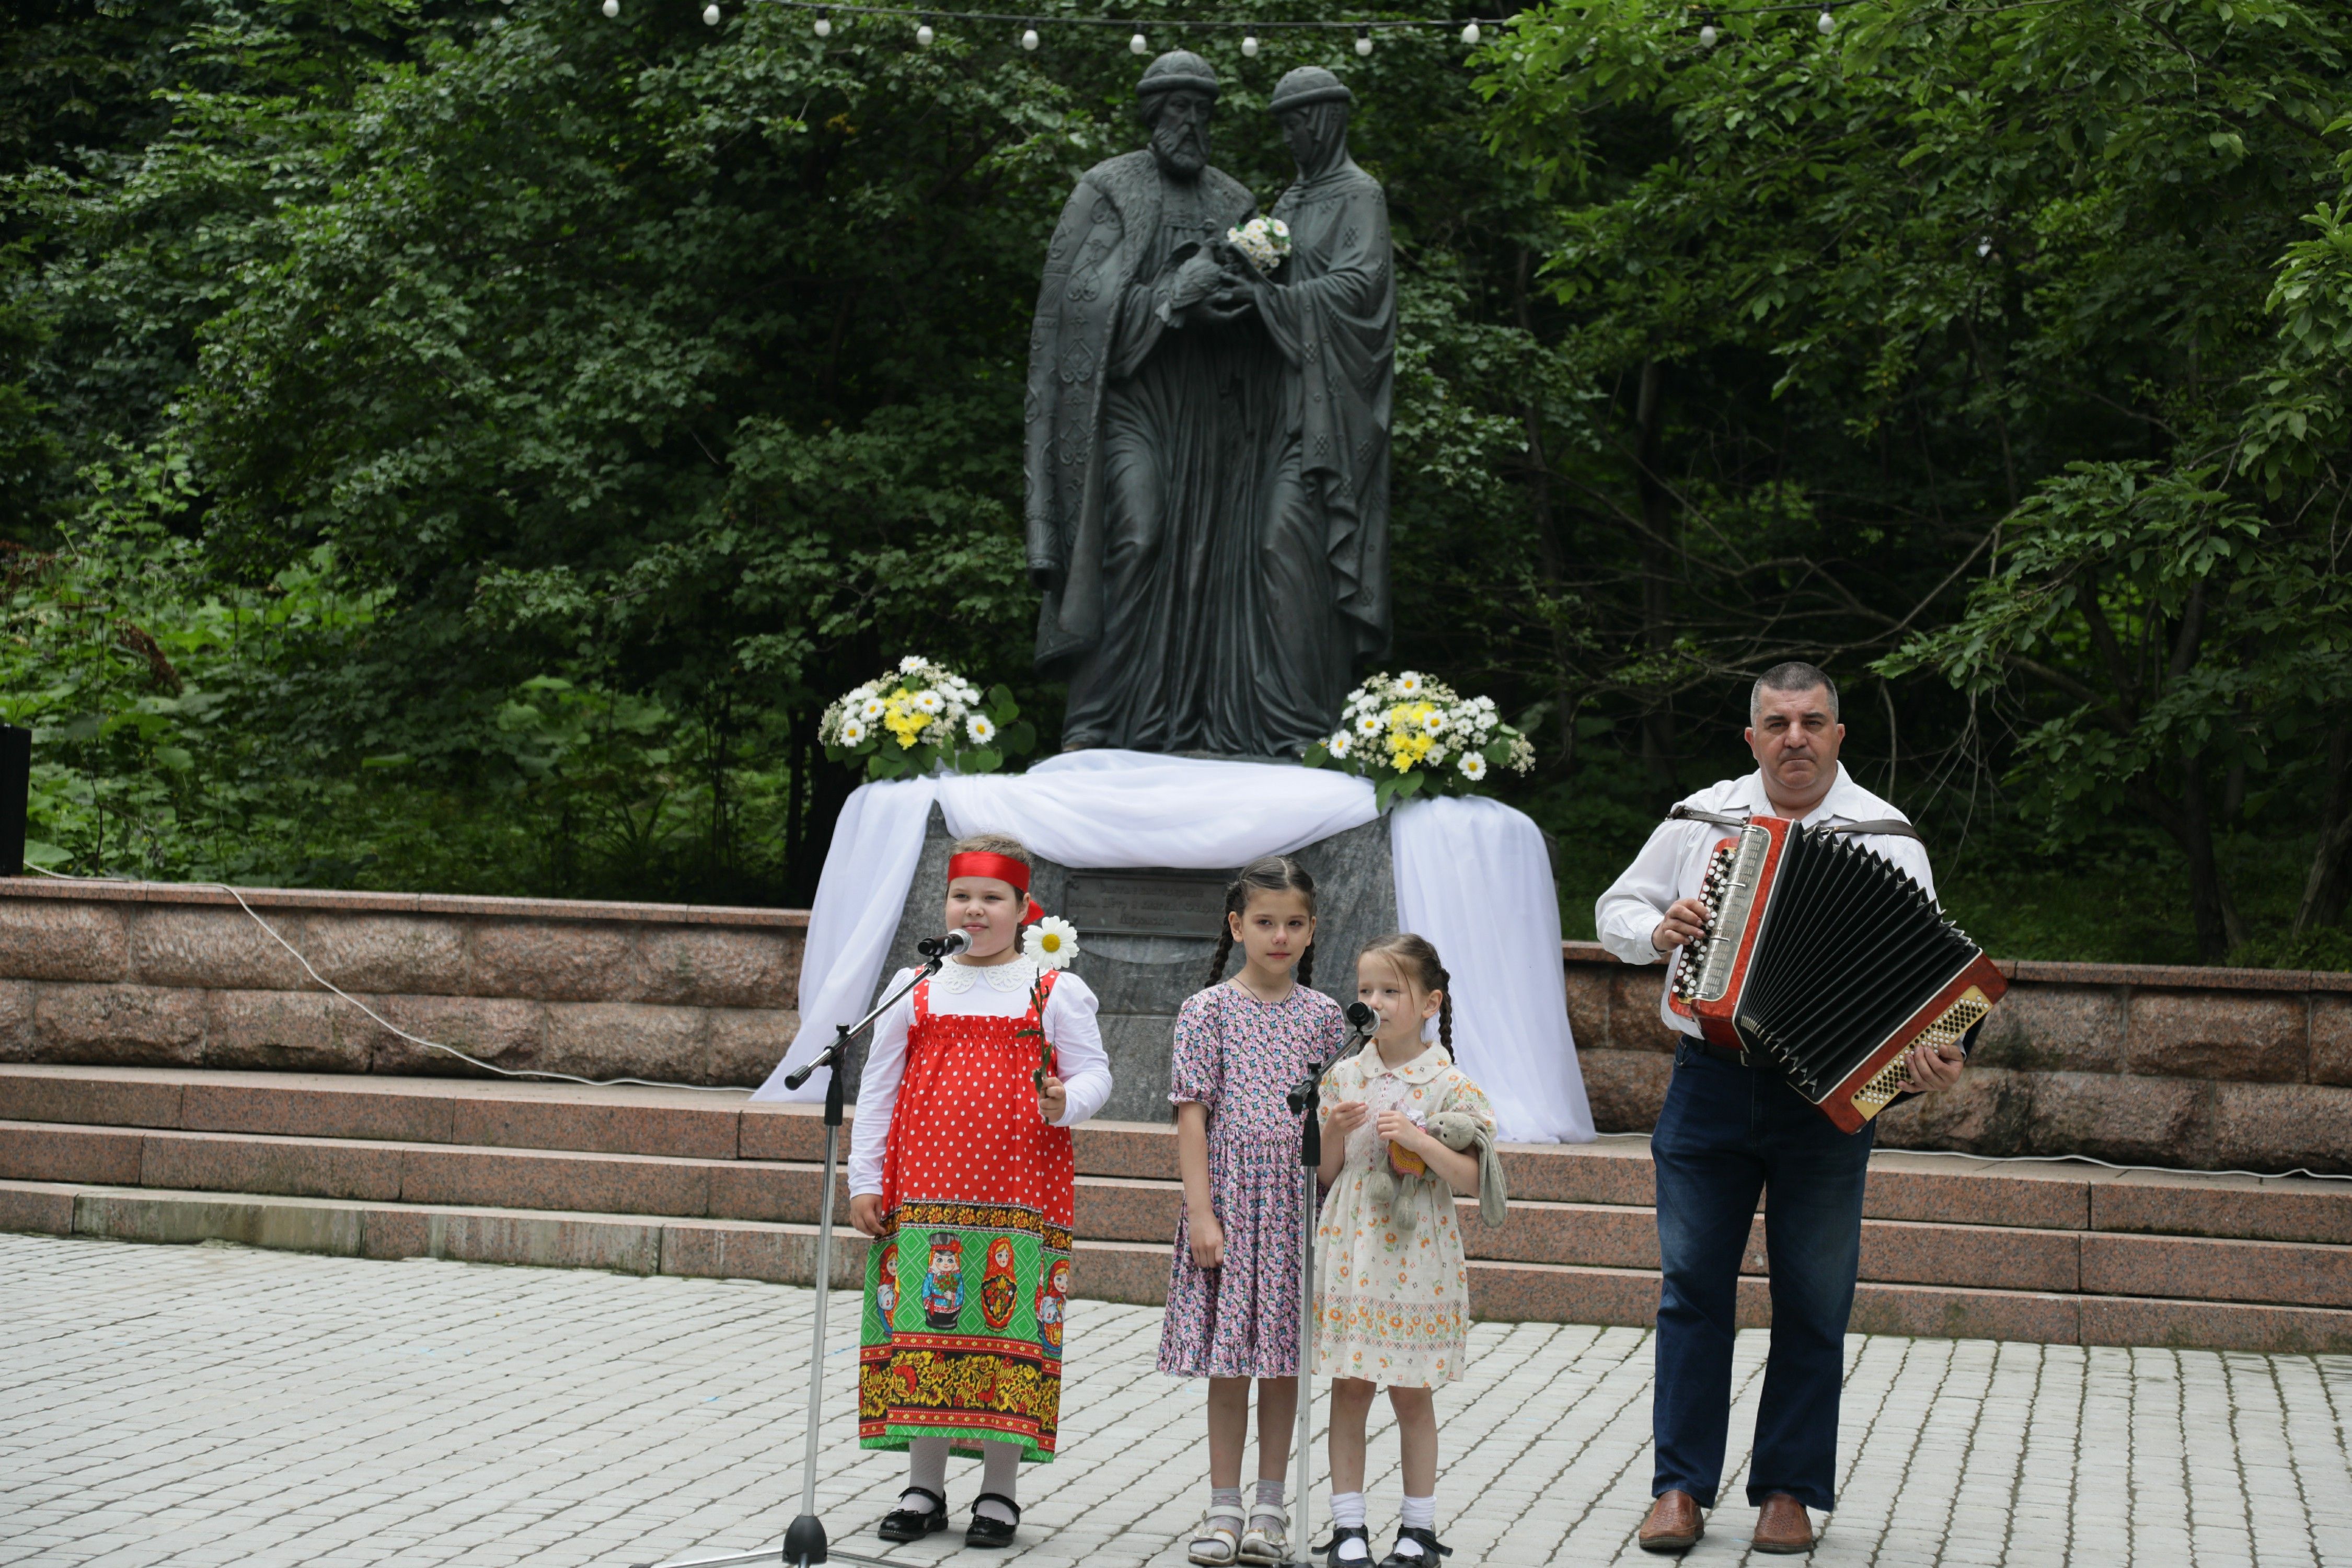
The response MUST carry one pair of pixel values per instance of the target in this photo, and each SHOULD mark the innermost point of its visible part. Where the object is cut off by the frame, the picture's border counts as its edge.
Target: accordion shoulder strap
(1885, 827)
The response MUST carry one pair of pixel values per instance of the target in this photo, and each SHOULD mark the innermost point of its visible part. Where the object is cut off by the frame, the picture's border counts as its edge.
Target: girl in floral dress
(1393, 1293)
(1233, 1286)
(960, 1168)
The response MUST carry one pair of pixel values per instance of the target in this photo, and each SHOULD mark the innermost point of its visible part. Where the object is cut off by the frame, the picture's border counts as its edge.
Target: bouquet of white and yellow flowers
(921, 717)
(1264, 241)
(1410, 735)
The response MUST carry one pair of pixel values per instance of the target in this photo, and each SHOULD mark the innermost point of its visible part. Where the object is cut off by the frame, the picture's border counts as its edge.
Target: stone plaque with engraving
(1146, 903)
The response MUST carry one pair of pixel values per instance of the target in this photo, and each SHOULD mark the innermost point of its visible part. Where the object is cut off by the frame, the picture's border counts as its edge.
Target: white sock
(1000, 1469)
(1224, 1502)
(1348, 1513)
(926, 1467)
(1420, 1513)
(1269, 1495)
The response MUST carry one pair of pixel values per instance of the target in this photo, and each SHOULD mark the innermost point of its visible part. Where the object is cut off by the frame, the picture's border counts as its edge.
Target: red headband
(1003, 867)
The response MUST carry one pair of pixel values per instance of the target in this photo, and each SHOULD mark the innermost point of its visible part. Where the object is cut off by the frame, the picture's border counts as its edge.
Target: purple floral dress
(1240, 1056)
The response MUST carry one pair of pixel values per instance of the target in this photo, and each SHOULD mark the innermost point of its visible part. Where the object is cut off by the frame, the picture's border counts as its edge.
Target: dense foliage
(462, 444)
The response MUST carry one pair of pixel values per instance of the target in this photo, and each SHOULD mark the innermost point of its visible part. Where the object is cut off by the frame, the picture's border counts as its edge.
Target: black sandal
(985, 1532)
(1431, 1550)
(1339, 1532)
(909, 1524)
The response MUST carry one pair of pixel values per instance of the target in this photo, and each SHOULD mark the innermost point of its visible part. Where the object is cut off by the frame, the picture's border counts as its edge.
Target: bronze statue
(1206, 473)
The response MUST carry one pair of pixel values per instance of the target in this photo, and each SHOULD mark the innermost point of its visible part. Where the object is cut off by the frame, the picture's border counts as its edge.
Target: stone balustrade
(2200, 1068)
(2194, 1068)
(153, 975)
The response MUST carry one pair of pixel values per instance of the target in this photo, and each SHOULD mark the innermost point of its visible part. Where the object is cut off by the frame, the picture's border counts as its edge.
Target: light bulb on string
(612, 7)
(923, 35)
(823, 23)
(1826, 23)
(1249, 45)
(1706, 36)
(1139, 45)
(710, 14)
(1470, 35)
(1029, 38)
(1363, 42)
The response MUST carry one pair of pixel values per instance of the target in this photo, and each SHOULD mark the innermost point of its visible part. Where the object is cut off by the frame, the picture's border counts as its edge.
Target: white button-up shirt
(1672, 865)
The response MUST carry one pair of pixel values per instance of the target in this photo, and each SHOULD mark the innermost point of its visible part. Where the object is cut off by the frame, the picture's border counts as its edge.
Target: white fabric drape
(1104, 809)
(1474, 877)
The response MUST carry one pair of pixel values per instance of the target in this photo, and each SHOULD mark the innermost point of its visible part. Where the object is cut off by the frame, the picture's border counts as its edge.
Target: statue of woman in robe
(1331, 309)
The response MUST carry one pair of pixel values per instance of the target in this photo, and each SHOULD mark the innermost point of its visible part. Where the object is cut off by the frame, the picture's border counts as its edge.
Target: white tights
(926, 1467)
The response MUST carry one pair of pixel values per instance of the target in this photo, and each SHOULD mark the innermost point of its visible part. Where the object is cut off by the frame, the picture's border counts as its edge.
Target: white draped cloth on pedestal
(1471, 875)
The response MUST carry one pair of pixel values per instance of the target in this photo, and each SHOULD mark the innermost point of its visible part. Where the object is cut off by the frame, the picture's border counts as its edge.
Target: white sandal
(1215, 1544)
(1267, 1540)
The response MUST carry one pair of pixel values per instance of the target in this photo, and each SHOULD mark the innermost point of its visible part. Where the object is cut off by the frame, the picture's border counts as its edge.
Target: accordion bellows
(1824, 959)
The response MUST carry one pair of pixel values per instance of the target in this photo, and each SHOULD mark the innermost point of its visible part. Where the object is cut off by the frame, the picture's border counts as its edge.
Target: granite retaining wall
(2197, 1068)
(2193, 1068)
(152, 975)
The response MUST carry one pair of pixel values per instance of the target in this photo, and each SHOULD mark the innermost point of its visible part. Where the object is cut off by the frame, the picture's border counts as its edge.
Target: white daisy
(1369, 724)
(853, 732)
(912, 663)
(1409, 683)
(1473, 766)
(929, 702)
(1340, 745)
(981, 728)
(1051, 943)
(872, 708)
(1435, 720)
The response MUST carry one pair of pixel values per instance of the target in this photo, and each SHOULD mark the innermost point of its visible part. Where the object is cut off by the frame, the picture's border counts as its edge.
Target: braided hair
(1267, 874)
(1418, 962)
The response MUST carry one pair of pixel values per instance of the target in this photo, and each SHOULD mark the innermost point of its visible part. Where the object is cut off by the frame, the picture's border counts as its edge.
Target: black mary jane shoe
(913, 1524)
(1427, 1557)
(1339, 1532)
(985, 1532)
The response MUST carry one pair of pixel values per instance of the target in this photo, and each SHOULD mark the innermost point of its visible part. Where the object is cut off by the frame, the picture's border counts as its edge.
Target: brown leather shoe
(1674, 1525)
(1782, 1525)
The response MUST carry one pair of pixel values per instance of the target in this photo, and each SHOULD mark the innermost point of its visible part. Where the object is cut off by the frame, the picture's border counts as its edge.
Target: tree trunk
(2219, 927)
(1657, 581)
(2326, 887)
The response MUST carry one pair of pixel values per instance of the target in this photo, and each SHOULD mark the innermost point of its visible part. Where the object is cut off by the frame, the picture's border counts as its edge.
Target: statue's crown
(1308, 84)
(1180, 68)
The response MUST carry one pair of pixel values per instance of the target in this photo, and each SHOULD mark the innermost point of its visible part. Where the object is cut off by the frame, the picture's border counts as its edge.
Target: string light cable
(386, 1024)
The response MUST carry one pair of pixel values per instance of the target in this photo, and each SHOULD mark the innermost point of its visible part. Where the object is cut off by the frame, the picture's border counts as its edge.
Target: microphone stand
(1306, 1100)
(805, 1542)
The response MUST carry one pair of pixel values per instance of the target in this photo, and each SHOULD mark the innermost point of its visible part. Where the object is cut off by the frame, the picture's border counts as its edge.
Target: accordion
(1824, 959)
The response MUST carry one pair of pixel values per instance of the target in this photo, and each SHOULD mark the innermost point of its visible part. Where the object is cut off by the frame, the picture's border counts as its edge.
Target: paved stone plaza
(215, 1405)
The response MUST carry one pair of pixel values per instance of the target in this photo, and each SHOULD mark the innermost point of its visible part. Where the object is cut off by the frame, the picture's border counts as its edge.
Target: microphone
(1362, 1019)
(946, 946)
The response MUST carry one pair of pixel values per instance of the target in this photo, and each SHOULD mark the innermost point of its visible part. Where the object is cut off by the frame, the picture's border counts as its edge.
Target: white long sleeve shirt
(1672, 865)
(991, 991)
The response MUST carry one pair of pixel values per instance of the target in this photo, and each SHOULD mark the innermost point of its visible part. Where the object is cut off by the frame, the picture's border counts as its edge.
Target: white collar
(1846, 800)
(955, 979)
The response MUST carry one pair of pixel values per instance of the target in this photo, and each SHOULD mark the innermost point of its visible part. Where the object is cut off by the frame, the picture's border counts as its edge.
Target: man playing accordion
(1733, 1126)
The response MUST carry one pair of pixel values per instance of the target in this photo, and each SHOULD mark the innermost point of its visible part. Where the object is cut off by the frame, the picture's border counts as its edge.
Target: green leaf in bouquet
(1017, 739)
(1410, 784)
(1001, 706)
(1315, 755)
(882, 765)
(981, 760)
(1497, 752)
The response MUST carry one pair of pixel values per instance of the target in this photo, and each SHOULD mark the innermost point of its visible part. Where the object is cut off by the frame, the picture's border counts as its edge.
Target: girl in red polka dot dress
(960, 1170)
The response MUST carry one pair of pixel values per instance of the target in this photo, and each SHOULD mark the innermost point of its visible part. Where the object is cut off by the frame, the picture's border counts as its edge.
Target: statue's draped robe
(1145, 471)
(1323, 554)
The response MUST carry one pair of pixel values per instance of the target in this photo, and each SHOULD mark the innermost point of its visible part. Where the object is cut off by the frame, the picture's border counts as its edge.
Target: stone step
(1126, 1210)
(722, 1125)
(1116, 1271)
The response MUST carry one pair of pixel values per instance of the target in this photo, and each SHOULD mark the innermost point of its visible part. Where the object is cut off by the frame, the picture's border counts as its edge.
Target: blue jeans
(1727, 1133)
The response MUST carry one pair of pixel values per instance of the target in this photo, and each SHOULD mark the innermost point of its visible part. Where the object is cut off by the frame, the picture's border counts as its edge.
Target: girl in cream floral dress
(1393, 1293)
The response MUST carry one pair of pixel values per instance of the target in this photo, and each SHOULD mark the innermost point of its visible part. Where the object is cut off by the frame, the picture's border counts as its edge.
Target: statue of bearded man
(1150, 397)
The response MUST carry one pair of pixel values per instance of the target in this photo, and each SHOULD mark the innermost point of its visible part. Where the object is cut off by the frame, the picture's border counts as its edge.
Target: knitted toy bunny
(1457, 1130)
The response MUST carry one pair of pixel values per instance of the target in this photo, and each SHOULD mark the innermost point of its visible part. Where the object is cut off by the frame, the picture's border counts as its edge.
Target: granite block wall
(151, 975)
(2193, 1068)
